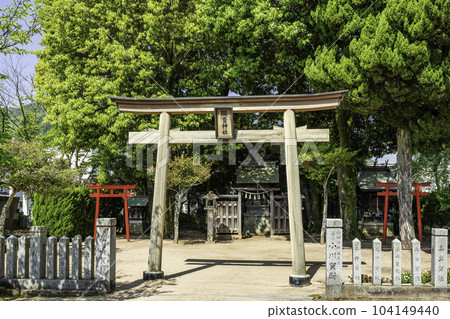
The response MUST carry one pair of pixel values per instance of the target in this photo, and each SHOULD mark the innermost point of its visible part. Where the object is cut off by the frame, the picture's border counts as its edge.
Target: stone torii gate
(224, 107)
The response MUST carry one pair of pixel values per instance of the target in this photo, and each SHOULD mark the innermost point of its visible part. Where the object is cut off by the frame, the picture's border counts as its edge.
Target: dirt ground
(249, 269)
(256, 268)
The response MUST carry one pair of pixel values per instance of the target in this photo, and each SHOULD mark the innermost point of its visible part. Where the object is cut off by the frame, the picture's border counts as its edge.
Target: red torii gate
(386, 193)
(124, 195)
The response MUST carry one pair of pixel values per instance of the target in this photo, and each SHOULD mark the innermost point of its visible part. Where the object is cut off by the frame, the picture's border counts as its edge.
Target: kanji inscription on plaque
(224, 123)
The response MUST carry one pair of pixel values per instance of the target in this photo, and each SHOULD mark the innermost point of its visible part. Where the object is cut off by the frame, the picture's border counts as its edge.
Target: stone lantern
(210, 206)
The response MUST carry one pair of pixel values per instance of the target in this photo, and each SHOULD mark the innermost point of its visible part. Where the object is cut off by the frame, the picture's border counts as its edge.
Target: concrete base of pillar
(299, 280)
(153, 275)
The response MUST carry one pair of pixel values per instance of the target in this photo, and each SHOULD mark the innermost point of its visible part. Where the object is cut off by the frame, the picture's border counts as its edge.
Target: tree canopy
(32, 169)
(19, 23)
(392, 56)
(396, 64)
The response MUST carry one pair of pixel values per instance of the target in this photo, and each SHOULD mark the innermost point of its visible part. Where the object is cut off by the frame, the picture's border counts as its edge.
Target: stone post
(37, 251)
(76, 257)
(376, 261)
(356, 261)
(24, 257)
(159, 201)
(11, 257)
(2, 256)
(64, 258)
(105, 253)
(334, 252)
(416, 268)
(52, 257)
(299, 277)
(439, 247)
(210, 212)
(396, 262)
(89, 258)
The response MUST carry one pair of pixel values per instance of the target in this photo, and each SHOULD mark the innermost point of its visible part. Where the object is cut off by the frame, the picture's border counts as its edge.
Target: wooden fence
(228, 217)
(279, 215)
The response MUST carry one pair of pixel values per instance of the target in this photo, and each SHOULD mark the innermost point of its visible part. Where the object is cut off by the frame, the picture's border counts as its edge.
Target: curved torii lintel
(240, 104)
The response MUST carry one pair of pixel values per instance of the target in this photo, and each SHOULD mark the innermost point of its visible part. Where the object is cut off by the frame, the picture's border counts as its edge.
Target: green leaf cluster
(34, 169)
(395, 61)
(18, 23)
(186, 172)
(67, 214)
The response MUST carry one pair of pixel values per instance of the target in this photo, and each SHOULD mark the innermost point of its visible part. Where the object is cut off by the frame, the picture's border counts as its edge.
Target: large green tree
(397, 67)
(97, 49)
(93, 50)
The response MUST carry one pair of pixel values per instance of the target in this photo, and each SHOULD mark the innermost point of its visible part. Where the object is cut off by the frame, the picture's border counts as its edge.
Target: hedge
(68, 214)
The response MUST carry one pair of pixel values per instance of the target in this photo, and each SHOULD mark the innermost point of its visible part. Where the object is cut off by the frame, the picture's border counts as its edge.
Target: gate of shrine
(223, 108)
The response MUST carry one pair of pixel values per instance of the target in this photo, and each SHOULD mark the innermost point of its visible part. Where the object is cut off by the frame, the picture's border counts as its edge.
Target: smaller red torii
(124, 195)
(386, 193)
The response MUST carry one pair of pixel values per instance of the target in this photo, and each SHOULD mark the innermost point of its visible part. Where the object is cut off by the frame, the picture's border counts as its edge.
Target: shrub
(68, 214)
(406, 278)
(436, 208)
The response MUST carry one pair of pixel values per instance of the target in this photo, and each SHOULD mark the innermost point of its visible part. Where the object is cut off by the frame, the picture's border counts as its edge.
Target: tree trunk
(346, 177)
(5, 209)
(324, 213)
(181, 198)
(342, 195)
(305, 191)
(404, 189)
(168, 215)
(315, 205)
(347, 184)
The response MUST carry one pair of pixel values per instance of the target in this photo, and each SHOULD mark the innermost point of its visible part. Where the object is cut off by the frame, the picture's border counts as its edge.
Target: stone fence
(336, 288)
(32, 261)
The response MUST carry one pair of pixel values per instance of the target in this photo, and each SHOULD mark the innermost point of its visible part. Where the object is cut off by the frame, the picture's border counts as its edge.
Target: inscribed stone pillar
(159, 201)
(2, 256)
(334, 252)
(24, 257)
(105, 253)
(356, 261)
(37, 251)
(396, 262)
(376, 262)
(416, 267)
(64, 257)
(76, 257)
(52, 257)
(439, 238)
(210, 225)
(11, 257)
(89, 258)
(299, 277)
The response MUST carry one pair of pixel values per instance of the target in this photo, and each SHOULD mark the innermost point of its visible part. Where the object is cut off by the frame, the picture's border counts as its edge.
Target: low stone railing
(334, 257)
(32, 262)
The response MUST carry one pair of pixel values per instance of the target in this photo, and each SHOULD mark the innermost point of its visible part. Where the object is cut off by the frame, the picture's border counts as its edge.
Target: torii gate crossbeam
(288, 104)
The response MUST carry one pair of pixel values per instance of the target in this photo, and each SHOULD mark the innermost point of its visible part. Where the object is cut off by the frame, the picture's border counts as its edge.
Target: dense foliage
(32, 169)
(68, 214)
(392, 56)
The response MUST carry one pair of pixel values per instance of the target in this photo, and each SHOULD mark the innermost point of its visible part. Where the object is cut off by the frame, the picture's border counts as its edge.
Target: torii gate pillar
(299, 277)
(159, 201)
